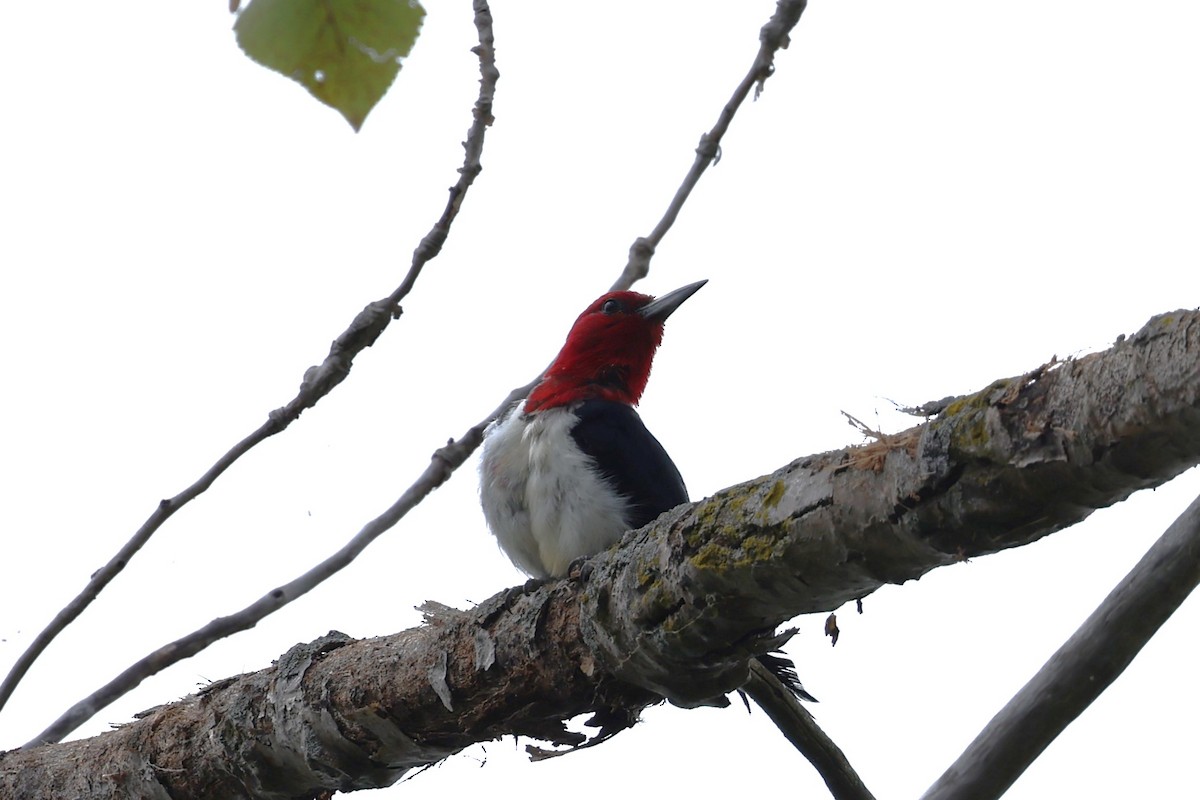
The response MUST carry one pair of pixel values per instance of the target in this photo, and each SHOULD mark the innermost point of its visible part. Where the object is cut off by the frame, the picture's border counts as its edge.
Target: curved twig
(318, 381)
(774, 37)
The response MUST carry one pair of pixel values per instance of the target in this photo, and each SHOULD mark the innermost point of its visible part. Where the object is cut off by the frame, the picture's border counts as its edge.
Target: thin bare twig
(101, 577)
(774, 37)
(799, 727)
(1082, 668)
(318, 381)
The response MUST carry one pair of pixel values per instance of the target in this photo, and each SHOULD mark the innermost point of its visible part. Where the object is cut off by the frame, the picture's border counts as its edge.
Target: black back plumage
(629, 457)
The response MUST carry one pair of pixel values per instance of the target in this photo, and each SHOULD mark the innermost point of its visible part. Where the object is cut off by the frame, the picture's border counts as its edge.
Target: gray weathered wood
(1081, 669)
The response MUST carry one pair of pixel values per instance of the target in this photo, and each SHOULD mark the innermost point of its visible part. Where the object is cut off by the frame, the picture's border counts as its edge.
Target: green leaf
(345, 52)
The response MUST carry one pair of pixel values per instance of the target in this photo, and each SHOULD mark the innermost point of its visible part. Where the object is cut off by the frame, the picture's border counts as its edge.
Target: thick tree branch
(680, 607)
(1000, 468)
(343, 714)
(1082, 668)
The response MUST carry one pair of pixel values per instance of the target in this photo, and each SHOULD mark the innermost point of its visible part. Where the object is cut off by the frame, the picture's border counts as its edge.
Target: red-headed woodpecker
(570, 469)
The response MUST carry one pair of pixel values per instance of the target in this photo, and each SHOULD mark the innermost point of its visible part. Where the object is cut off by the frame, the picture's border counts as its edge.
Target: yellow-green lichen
(718, 556)
(646, 574)
(712, 556)
(979, 400)
(775, 495)
(973, 436)
(758, 548)
(706, 519)
(970, 432)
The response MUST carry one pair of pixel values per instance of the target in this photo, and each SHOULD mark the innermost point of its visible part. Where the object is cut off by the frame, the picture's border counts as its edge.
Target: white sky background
(927, 197)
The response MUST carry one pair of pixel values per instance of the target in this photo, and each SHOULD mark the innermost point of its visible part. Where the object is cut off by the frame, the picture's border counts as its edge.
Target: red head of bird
(609, 351)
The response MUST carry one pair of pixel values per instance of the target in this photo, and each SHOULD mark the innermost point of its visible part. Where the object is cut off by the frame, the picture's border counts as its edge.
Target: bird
(571, 468)
(566, 471)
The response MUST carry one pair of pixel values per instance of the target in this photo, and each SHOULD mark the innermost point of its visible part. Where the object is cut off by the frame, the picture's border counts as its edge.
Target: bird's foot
(580, 569)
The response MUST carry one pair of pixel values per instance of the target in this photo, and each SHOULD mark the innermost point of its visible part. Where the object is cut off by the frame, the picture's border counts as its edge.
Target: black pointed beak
(660, 308)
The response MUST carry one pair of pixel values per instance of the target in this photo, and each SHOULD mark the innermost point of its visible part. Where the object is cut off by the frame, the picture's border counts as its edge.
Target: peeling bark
(340, 714)
(677, 610)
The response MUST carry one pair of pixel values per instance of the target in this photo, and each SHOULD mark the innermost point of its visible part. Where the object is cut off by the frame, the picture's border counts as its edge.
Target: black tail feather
(785, 671)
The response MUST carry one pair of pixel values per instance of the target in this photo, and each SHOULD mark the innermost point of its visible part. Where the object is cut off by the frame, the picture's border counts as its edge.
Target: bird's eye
(611, 307)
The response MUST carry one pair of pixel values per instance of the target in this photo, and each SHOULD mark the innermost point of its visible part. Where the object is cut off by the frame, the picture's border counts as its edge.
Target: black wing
(629, 457)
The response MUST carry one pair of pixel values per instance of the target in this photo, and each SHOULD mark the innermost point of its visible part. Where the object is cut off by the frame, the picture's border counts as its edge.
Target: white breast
(542, 498)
